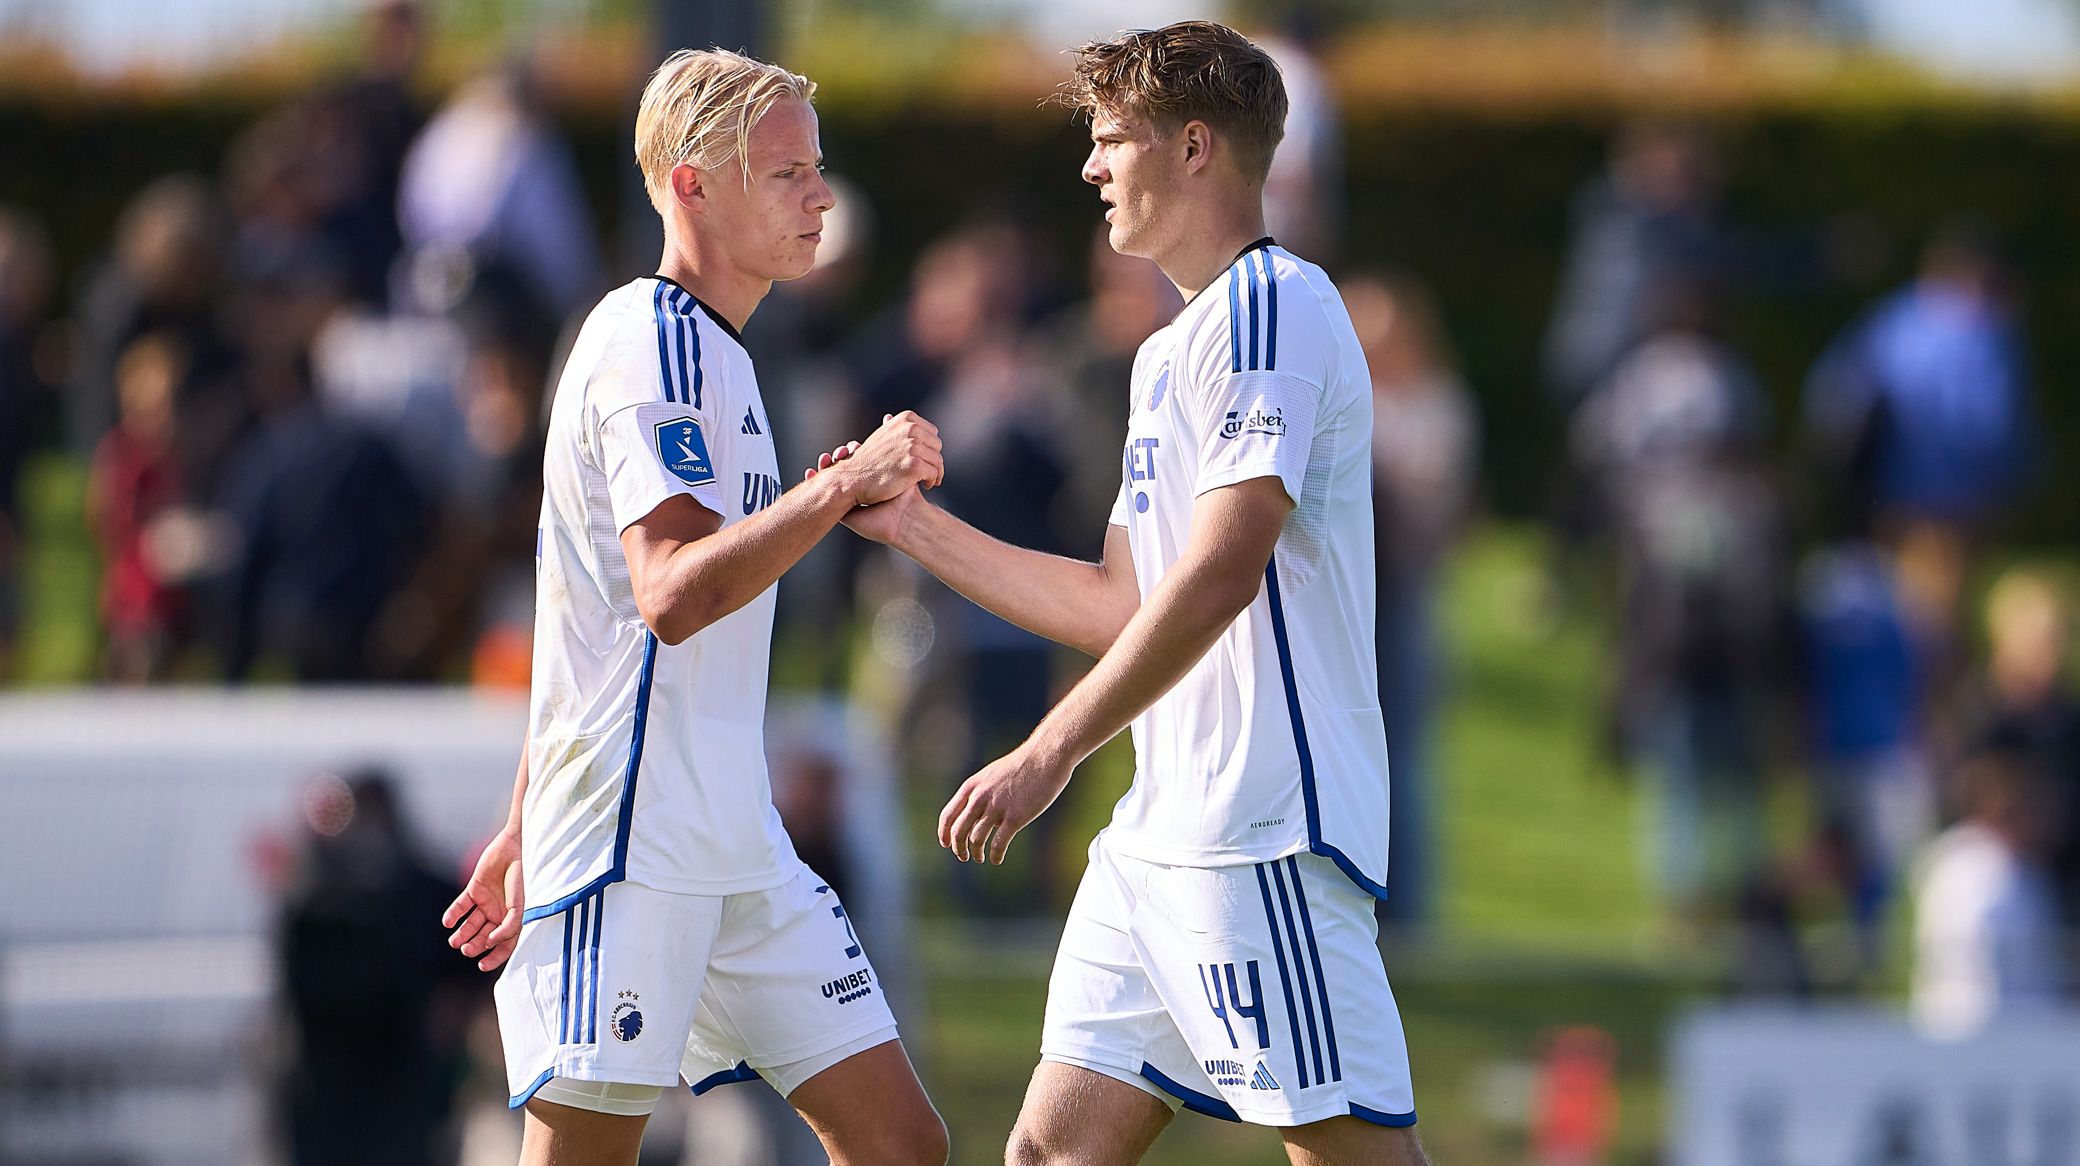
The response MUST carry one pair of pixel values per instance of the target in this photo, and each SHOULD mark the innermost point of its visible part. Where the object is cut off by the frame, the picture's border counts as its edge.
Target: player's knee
(1030, 1146)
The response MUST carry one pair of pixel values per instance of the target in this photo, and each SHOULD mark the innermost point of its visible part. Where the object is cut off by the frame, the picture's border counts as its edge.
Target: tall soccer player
(667, 929)
(1221, 954)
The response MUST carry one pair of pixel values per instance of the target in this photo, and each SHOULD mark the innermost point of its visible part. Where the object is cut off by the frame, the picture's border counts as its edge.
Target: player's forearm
(1066, 600)
(519, 794)
(708, 578)
(1164, 639)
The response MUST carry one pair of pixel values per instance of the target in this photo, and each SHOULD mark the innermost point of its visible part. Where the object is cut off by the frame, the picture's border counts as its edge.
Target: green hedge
(1476, 203)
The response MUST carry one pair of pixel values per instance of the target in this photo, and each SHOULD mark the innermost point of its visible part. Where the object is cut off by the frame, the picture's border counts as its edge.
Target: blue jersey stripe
(1270, 310)
(1285, 980)
(1315, 844)
(1314, 1033)
(689, 356)
(1234, 322)
(1250, 273)
(1321, 984)
(664, 356)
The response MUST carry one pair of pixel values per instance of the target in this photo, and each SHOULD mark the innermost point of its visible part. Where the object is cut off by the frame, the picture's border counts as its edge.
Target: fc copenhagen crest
(685, 452)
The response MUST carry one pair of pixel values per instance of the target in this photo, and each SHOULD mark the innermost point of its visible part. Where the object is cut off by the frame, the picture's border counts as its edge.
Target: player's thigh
(870, 1108)
(1074, 1116)
(562, 1135)
(1351, 1141)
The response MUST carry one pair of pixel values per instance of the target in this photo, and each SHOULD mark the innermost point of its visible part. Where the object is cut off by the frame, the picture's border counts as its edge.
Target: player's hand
(883, 521)
(995, 804)
(904, 452)
(486, 915)
(825, 461)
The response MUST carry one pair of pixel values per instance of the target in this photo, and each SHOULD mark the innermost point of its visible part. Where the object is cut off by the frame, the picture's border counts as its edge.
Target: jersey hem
(1129, 846)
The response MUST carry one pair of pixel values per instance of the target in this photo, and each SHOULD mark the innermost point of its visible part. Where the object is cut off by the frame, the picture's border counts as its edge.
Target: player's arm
(687, 571)
(1069, 601)
(486, 915)
(1235, 529)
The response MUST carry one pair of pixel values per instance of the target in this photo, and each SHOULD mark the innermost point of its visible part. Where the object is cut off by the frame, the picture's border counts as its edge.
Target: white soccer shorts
(1252, 993)
(639, 987)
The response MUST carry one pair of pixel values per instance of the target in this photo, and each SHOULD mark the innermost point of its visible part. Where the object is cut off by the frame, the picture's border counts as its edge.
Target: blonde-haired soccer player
(667, 930)
(1221, 953)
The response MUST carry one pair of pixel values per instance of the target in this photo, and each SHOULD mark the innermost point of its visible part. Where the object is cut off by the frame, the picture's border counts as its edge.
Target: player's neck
(727, 292)
(1219, 235)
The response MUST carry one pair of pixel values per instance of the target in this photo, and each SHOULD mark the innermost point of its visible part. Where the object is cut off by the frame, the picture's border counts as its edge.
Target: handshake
(885, 473)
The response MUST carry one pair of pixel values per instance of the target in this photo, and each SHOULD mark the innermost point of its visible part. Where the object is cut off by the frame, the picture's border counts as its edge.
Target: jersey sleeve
(1120, 507)
(1255, 384)
(650, 436)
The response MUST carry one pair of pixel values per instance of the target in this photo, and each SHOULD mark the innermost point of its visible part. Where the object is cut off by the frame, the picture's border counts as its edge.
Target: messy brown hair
(1194, 70)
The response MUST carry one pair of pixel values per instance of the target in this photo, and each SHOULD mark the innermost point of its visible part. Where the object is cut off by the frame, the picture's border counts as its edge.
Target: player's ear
(687, 187)
(1198, 145)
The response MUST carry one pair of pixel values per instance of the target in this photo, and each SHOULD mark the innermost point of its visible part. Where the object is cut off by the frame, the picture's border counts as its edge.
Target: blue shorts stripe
(664, 356)
(1285, 980)
(526, 1095)
(1381, 1118)
(1193, 1100)
(599, 926)
(1314, 1035)
(731, 1076)
(563, 1010)
(1321, 984)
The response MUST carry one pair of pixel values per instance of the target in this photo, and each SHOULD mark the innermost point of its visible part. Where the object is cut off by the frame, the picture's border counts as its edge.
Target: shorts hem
(1110, 1069)
(817, 1062)
(822, 1045)
(592, 1073)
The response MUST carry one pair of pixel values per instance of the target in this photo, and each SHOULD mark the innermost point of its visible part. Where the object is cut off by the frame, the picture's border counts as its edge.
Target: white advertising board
(1781, 1086)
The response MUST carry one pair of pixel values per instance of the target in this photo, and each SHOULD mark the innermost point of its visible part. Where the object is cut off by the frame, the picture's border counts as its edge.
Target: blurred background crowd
(1717, 454)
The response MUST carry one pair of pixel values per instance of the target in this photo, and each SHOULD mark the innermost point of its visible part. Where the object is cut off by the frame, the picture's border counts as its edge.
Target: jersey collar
(1259, 245)
(716, 316)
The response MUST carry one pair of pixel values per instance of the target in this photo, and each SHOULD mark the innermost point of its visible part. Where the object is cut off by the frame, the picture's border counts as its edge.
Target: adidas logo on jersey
(1262, 1078)
(750, 422)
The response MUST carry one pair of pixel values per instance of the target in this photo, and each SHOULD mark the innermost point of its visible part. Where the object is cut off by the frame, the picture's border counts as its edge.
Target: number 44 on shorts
(1224, 995)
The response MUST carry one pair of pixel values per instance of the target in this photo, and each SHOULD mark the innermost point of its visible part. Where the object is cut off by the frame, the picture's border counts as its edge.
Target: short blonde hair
(699, 108)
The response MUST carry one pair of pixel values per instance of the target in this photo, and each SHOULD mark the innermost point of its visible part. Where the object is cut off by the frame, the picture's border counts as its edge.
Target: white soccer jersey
(1272, 744)
(647, 760)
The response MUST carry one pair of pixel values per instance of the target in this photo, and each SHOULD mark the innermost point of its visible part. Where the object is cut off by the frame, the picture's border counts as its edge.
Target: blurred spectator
(133, 483)
(376, 996)
(162, 275)
(1652, 221)
(964, 289)
(1670, 442)
(1303, 194)
(490, 186)
(2026, 709)
(25, 277)
(1424, 446)
(328, 525)
(1986, 939)
(1866, 688)
(1926, 398)
(1924, 405)
(376, 117)
(1093, 344)
(1002, 419)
